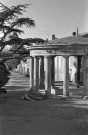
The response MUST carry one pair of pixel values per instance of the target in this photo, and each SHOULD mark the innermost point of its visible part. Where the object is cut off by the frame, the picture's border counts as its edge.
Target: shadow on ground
(46, 117)
(10, 88)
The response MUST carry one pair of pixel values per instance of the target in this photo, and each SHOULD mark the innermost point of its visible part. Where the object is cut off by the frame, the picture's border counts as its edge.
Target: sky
(59, 17)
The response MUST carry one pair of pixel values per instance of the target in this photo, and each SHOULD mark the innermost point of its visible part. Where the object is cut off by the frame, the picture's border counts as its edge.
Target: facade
(23, 67)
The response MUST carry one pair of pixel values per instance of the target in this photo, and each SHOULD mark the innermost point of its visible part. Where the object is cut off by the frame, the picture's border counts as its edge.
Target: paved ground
(47, 117)
(17, 82)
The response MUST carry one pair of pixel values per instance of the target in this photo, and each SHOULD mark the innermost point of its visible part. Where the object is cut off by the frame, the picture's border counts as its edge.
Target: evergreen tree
(11, 22)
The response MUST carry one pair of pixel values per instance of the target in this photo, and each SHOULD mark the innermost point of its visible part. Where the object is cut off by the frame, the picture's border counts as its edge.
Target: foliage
(74, 33)
(12, 63)
(11, 23)
(4, 75)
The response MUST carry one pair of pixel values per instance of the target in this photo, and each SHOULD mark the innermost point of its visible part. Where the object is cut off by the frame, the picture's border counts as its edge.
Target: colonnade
(36, 82)
(42, 79)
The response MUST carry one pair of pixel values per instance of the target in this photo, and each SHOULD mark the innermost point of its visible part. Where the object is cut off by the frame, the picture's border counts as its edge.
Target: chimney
(53, 37)
(77, 32)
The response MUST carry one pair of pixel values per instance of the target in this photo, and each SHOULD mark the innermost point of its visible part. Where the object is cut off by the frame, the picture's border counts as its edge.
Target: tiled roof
(70, 40)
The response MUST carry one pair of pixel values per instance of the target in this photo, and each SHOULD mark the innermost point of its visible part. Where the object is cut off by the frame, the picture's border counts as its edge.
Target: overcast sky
(59, 17)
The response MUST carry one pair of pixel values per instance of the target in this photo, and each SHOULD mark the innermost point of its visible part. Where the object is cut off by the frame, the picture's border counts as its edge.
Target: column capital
(47, 56)
(66, 56)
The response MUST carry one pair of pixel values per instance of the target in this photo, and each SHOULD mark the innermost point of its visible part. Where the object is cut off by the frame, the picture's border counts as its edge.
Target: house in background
(23, 67)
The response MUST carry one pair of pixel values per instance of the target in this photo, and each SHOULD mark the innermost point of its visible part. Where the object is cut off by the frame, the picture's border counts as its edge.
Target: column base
(85, 97)
(47, 92)
(64, 97)
(41, 87)
(66, 94)
(53, 91)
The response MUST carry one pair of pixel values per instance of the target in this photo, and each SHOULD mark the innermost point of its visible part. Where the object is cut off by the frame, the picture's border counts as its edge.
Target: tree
(10, 28)
(4, 75)
(11, 22)
(74, 34)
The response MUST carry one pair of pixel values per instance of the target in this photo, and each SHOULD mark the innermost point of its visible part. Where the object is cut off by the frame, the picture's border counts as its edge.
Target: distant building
(23, 67)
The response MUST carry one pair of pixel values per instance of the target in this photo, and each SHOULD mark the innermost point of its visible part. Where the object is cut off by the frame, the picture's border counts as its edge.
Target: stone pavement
(18, 82)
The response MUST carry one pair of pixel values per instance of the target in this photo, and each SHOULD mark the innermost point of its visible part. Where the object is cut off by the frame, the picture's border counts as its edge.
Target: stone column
(36, 73)
(52, 70)
(48, 74)
(57, 68)
(85, 93)
(42, 76)
(78, 69)
(66, 76)
(31, 70)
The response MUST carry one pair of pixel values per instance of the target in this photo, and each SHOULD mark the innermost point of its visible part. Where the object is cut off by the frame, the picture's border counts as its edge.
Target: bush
(4, 75)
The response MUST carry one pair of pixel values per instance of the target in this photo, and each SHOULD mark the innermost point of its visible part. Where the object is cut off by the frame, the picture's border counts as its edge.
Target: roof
(84, 34)
(70, 40)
